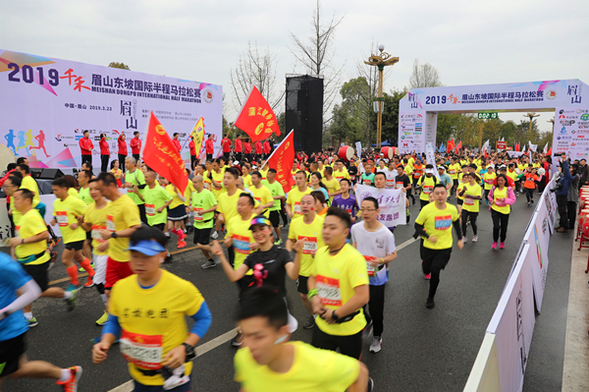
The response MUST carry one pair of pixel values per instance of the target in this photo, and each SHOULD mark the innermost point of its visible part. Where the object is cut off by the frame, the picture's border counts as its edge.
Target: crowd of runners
(116, 225)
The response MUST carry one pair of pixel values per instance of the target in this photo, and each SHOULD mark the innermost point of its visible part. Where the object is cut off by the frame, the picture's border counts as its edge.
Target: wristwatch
(113, 234)
(190, 352)
(334, 316)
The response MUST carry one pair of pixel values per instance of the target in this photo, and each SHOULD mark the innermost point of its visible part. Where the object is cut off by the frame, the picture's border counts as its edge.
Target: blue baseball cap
(148, 247)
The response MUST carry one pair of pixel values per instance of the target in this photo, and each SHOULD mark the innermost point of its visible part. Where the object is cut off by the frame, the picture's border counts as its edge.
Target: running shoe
(89, 282)
(464, 239)
(376, 345)
(430, 304)
(215, 235)
(168, 259)
(181, 244)
(427, 276)
(502, 245)
(167, 234)
(475, 238)
(367, 330)
(278, 243)
(237, 341)
(209, 264)
(73, 287)
(494, 246)
(33, 322)
(370, 385)
(71, 385)
(103, 319)
(310, 323)
(71, 302)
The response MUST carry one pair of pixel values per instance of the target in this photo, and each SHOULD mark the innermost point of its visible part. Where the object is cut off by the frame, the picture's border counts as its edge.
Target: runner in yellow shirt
(472, 194)
(68, 214)
(261, 193)
(293, 200)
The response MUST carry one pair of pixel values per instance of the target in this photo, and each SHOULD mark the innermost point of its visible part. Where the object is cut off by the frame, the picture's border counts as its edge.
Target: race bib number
(297, 208)
(371, 270)
(61, 217)
(96, 232)
(489, 181)
(452, 171)
(399, 185)
(468, 201)
(129, 190)
(310, 244)
(16, 229)
(110, 223)
(390, 183)
(443, 222)
(197, 216)
(207, 186)
(329, 291)
(144, 351)
(367, 182)
(241, 244)
(427, 189)
(150, 209)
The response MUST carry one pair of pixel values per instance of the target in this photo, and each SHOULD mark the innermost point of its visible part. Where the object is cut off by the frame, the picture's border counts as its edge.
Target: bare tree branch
(425, 75)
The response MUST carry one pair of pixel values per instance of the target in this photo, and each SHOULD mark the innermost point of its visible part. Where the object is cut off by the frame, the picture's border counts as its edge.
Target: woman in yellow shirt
(176, 213)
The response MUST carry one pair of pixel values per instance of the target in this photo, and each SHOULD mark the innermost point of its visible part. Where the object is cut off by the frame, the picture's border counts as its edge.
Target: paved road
(423, 350)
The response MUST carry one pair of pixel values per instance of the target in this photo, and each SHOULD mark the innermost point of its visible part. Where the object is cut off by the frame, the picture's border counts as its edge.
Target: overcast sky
(469, 42)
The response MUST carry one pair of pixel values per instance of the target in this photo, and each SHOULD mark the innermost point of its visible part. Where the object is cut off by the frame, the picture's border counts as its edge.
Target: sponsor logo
(561, 116)
(78, 137)
(58, 137)
(551, 94)
(563, 131)
(568, 123)
(585, 117)
(76, 130)
(208, 96)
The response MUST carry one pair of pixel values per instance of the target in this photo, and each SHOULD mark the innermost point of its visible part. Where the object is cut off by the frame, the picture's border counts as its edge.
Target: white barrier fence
(501, 362)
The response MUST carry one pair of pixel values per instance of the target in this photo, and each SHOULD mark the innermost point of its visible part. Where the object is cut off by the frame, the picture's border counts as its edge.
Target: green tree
(119, 65)
(352, 119)
(390, 116)
(447, 126)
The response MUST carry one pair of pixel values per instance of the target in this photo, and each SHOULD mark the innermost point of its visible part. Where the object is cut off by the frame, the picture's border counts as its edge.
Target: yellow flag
(198, 135)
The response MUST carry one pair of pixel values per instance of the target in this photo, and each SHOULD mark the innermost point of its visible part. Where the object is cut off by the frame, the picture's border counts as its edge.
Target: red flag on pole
(451, 145)
(517, 147)
(485, 152)
(257, 118)
(282, 160)
(161, 155)
(459, 145)
(549, 153)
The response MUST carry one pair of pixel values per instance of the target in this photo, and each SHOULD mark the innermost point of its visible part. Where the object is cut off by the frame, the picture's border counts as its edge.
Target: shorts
(76, 245)
(350, 345)
(138, 387)
(302, 284)
(89, 237)
(275, 218)
(177, 213)
(115, 271)
(100, 262)
(39, 274)
(435, 260)
(202, 236)
(159, 226)
(11, 351)
(459, 202)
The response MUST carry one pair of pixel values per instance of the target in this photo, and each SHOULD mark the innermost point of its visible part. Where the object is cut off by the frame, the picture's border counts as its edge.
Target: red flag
(459, 146)
(282, 160)
(257, 118)
(161, 155)
(549, 153)
(485, 152)
(451, 145)
(517, 147)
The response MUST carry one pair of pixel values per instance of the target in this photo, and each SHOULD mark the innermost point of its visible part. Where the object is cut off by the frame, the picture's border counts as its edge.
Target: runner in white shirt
(391, 174)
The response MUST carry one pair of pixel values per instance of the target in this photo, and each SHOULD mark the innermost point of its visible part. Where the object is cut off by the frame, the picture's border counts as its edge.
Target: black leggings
(466, 215)
(434, 261)
(376, 309)
(529, 194)
(122, 162)
(500, 222)
(572, 213)
(104, 163)
(350, 345)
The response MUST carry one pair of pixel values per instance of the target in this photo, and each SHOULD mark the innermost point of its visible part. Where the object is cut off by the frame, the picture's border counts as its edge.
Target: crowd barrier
(501, 361)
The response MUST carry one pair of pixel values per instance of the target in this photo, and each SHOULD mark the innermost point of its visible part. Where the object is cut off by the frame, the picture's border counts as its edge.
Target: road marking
(83, 274)
(200, 350)
(406, 243)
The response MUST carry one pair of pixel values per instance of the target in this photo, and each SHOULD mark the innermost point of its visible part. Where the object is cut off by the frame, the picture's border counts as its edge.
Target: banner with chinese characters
(421, 103)
(48, 103)
(391, 203)
(571, 132)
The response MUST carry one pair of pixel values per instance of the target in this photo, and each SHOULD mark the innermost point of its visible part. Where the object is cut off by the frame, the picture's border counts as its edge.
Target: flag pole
(276, 149)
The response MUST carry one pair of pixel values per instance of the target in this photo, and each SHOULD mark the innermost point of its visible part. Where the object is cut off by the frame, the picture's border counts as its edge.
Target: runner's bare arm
(293, 269)
(361, 383)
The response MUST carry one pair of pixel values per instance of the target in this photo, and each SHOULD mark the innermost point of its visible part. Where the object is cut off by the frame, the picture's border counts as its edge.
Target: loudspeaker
(36, 173)
(51, 174)
(304, 111)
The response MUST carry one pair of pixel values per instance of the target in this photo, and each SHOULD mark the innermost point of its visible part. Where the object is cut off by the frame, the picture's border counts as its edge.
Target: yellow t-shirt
(512, 175)
(96, 216)
(206, 181)
(338, 175)
(263, 196)
(239, 231)
(153, 321)
(218, 177)
(121, 214)
(66, 213)
(247, 181)
(294, 200)
(331, 185)
(312, 370)
(32, 224)
(187, 192)
(73, 192)
(438, 223)
(453, 170)
(227, 205)
(336, 278)
(135, 178)
(264, 172)
(471, 205)
(427, 186)
(29, 183)
(498, 206)
(488, 180)
(314, 240)
(176, 201)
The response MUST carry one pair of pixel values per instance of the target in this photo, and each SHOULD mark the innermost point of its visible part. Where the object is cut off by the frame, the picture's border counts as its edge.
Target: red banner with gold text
(257, 118)
(282, 160)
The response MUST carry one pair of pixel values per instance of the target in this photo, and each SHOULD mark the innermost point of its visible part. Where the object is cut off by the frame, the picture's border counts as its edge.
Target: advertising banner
(501, 145)
(390, 201)
(571, 132)
(411, 132)
(48, 103)
(538, 237)
(431, 158)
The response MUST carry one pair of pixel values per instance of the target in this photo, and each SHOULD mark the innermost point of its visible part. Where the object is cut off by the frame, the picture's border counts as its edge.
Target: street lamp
(381, 60)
